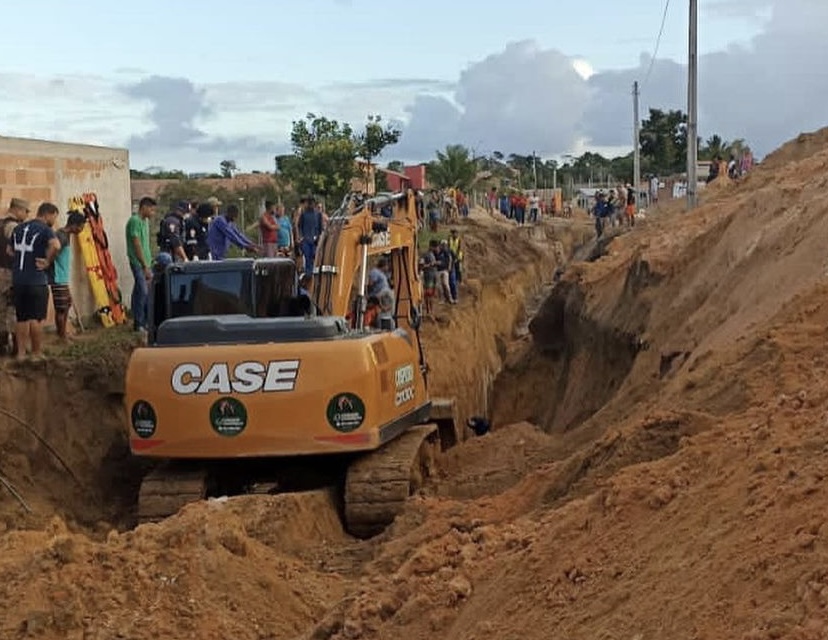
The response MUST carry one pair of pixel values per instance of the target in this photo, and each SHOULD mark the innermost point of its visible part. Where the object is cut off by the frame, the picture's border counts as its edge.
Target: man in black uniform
(171, 234)
(195, 230)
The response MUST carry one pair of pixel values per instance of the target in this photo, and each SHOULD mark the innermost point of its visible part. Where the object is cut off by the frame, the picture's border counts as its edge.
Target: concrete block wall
(42, 171)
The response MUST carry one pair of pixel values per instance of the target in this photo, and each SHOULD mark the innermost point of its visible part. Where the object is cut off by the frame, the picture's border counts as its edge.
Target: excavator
(249, 384)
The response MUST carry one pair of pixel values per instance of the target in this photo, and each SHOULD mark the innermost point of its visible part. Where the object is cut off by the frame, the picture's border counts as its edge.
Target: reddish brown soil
(672, 488)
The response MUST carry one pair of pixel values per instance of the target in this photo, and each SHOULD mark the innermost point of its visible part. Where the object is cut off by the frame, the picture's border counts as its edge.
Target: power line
(658, 42)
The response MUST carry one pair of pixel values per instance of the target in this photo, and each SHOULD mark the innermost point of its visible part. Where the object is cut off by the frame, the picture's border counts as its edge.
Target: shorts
(630, 210)
(31, 302)
(61, 298)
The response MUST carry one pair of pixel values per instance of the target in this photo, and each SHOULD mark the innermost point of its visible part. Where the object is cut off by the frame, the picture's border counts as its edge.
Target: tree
(324, 155)
(664, 141)
(373, 140)
(395, 165)
(453, 167)
(228, 168)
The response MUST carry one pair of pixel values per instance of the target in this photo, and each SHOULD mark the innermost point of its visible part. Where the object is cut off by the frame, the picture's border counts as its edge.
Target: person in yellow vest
(455, 246)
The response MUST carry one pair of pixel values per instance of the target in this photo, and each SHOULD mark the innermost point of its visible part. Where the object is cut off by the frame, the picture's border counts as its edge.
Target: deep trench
(570, 363)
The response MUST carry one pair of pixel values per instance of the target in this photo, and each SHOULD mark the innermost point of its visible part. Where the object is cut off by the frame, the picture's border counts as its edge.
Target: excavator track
(165, 490)
(378, 484)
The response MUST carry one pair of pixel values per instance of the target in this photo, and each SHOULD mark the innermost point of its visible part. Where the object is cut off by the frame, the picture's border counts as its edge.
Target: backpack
(6, 261)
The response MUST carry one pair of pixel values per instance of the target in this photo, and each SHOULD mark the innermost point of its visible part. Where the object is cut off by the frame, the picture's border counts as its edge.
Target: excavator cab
(245, 383)
(262, 288)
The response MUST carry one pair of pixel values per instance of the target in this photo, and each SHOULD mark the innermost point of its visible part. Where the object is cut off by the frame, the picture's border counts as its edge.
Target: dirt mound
(800, 148)
(239, 568)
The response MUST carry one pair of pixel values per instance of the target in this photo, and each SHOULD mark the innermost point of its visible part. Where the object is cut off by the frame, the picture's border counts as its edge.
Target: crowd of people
(614, 207)
(194, 231)
(34, 258)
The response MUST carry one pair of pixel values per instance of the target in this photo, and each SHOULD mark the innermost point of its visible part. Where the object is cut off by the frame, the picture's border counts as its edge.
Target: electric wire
(657, 43)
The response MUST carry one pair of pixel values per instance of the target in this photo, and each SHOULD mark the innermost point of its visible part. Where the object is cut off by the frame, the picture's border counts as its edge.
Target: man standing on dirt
(18, 210)
(59, 274)
(34, 247)
(140, 261)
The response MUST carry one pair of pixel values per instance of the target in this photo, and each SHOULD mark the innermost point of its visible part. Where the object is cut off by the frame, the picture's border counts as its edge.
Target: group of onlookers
(204, 231)
(614, 207)
(34, 262)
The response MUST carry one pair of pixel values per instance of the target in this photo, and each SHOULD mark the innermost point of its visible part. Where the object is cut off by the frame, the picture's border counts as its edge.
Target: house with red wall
(396, 181)
(417, 175)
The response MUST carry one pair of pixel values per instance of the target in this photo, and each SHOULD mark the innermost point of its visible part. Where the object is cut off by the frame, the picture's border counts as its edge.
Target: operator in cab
(171, 233)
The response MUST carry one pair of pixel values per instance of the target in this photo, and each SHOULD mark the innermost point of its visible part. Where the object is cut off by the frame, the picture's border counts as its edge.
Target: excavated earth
(656, 468)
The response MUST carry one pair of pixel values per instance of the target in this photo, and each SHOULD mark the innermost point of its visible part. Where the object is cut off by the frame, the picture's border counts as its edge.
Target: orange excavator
(249, 385)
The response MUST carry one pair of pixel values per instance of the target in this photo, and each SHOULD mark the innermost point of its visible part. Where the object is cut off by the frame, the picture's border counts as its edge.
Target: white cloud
(520, 99)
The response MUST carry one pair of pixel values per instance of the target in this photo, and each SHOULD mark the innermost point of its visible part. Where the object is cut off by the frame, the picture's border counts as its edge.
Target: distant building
(417, 175)
(396, 181)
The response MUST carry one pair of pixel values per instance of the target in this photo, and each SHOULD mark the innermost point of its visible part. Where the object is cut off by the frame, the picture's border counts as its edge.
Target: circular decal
(346, 412)
(143, 419)
(228, 417)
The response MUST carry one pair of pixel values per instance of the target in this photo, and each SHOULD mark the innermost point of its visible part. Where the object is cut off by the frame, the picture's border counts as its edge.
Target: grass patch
(97, 345)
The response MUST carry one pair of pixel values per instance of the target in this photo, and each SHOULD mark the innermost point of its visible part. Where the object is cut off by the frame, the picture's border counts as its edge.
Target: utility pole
(636, 144)
(692, 107)
(535, 169)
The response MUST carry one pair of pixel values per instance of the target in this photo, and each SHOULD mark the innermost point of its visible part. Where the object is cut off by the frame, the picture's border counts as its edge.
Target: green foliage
(664, 141)
(325, 153)
(453, 167)
(395, 165)
(323, 160)
(228, 168)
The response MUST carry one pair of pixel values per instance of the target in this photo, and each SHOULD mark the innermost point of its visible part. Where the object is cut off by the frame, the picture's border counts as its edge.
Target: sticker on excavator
(228, 417)
(404, 375)
(144, 421)
(346, 412)
(246, 377)
(403, 395)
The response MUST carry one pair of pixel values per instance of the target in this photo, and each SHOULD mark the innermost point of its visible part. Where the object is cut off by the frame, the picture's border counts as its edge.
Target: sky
(186, 84)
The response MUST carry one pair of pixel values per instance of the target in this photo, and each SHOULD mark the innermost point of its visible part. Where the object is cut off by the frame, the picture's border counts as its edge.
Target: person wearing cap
(171, 233)
(17, 213)
(215, 203)
(196, 227)
(59, 273)
(223, 232)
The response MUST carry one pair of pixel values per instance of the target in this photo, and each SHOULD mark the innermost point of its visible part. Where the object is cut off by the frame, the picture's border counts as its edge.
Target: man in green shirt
(140, 260)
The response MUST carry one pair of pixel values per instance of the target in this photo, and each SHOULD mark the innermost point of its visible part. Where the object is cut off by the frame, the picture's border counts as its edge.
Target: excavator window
(210, 293)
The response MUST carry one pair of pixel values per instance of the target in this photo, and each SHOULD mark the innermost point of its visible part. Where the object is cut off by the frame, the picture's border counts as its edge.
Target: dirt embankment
(62, 441)
(507, 267)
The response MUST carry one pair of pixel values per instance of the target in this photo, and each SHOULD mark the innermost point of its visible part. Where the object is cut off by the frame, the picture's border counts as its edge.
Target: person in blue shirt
(308, 229)
(33, 249)
(223, 232)
(601, 211)
(378, 277)
(284, 232)
(59, 273)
